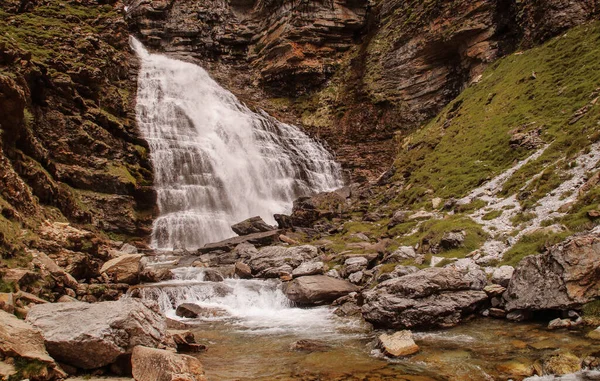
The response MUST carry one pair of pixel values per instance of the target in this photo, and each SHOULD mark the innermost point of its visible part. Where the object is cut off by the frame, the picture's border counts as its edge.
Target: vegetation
(531, 244)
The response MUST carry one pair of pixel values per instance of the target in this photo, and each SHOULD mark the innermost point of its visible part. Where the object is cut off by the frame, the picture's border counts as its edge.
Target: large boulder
(150, 364)
(257, 239)
(434, 297)
(124, 269)
(90, 336)
(317, 289)
(270, 261)
(252, 225)
(401, 343)
(21, 340)
(565, 277)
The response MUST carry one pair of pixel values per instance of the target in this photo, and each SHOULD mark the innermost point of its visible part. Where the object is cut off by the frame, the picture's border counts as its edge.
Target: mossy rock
(561, 364)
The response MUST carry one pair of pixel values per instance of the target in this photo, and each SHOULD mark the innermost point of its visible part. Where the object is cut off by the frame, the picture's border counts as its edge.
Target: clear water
(215, 161)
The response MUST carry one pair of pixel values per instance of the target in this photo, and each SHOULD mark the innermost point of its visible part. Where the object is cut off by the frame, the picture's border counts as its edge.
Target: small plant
(492, 215)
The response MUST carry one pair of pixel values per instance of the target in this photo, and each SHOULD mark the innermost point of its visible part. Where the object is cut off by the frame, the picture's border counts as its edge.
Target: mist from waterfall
(216, 162)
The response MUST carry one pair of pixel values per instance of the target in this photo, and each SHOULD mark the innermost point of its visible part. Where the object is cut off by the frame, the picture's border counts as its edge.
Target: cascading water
(216, 162)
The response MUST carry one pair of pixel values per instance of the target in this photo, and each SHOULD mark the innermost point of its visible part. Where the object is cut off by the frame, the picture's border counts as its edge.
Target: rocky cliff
(70, 151)
(354, 73)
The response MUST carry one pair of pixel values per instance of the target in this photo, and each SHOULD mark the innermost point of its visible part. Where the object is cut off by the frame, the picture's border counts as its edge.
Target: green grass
(521, 218)
(468, 143)
(7, 286)
(592, 309)
(492, 215)
(531, 244)
(27, 368)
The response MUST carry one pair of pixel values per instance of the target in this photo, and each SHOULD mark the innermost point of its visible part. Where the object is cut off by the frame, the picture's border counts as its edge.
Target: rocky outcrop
(317, 289)
(123, 269)
(90, 336)
(20, 340)
(273, 261)
(251, 225)
(565, 277)
(434, 297)
(150, 364)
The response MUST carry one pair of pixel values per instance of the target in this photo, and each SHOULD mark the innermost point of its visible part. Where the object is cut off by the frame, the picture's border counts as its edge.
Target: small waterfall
(217, 162)
(254, 306)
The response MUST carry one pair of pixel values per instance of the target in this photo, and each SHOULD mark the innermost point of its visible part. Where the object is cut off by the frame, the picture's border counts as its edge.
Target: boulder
(45, 263)
(90, 336)
(317, 289)
(309, 268)
(150, 364)
(502, 275)
(257, 239)
(19, 277)
(212, 275)
(128, 249)
(123, 269)
(561, 364)
(271, 261)
(192, 311)
(452, 240)
(7, 302)
(242, 270)
(398, 344)
(307, 345)
(21, 340)
(401, 254)
(565, 277)
(251, 225)
(434, 297)
(185, 341)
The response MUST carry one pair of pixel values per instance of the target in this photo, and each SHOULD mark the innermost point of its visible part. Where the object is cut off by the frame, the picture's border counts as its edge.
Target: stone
(559, 323)
(565, 277)
(595, 334)
(308, 345)
(20, 339)
(561, 364)
(452, 240)
(192, 311)
(421, 215)
(497, 313)
(288, 240)
(399, 216)
(502, 275)
(271, 261)
(257, 239)
(19, 277)
(400, 254)
(242, 270)
(251, 225)
(128, 249)
(150, 364)
(518, 315)
(436, 202)
(399, 344)
(356, 277)
(212, 275)
(355, 264)
(90, 336)
(433, 297)
(7, 302)
(317, 289)
(45, 263)
(309, 268)
(67, 299)
(123, 269)
(494, 289)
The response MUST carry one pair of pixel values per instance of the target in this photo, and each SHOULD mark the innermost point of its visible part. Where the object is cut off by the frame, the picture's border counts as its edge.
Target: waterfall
(216, 162)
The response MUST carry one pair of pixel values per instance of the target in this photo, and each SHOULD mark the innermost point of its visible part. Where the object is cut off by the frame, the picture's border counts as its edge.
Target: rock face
(565, 277)
(434, 297)
(317, 289)
(21, 340)
(251, 225)
(150, 364)
(90, 336)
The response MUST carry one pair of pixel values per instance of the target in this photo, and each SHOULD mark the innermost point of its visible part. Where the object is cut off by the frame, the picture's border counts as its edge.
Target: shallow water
(252, 339)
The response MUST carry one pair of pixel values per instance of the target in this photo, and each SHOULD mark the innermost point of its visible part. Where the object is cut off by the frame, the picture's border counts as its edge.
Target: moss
(7, 286)
(521, 218)
(492, 215)
(121, 172)
(472, 206)
(27, 368)
(469, 142)
(592, 309)
(531, 244)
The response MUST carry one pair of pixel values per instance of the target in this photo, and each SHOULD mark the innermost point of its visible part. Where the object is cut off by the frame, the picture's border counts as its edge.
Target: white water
(216, 162)
(253, 306)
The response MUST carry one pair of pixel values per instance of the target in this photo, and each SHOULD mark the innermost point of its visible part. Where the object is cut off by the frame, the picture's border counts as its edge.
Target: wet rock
(309, 268)
(150, 364)
(242, 270)
(518, 315)
(212, 275)
(317, 289)
(516, 368)
(595, 334)
(153, 275)
(561, 364)
(308, 345)
(90, 336)
(502, 275)
(185, 341)
(398, 344)
(586, 375)
(251, 225)
(559, 323)
(434, 297)
(19, 339)
(123, 269)
(563, 278)
(257, 239)
(497, 313)
(192, 311)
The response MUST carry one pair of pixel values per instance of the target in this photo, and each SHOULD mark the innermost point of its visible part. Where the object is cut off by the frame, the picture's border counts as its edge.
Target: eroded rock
(317, 289)
(398, 344)
(150, 364)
